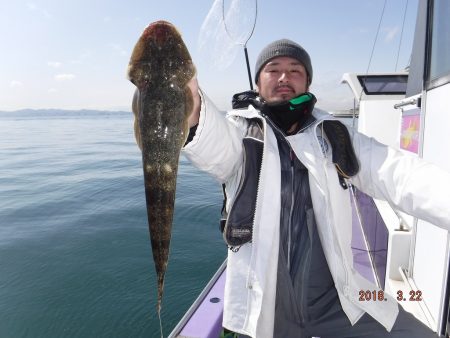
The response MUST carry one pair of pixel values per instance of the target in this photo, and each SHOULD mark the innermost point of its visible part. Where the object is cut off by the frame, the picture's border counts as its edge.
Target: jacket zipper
(305, 266)
(291, 211)
(302, 307)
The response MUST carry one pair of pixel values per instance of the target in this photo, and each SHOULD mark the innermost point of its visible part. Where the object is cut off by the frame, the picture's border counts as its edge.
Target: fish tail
(159, 316)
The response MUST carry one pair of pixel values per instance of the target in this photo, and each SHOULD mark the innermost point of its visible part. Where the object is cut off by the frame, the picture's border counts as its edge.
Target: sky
(73, 54)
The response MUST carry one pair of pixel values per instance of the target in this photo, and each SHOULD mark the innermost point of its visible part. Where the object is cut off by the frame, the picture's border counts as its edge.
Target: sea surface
(75, 255)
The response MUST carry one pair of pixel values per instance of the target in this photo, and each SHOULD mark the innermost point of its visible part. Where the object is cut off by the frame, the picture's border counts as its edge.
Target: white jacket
(385, 173)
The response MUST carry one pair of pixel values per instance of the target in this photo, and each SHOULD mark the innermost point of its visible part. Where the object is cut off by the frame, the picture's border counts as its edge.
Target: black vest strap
(343, 154)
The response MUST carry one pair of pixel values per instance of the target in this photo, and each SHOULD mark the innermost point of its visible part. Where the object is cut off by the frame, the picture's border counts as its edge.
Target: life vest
(236, 225)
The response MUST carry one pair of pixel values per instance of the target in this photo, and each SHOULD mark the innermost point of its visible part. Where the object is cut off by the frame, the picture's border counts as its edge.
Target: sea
(75, 254)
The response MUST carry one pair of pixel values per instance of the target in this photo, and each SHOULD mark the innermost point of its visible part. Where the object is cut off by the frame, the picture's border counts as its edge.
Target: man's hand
(195, 114)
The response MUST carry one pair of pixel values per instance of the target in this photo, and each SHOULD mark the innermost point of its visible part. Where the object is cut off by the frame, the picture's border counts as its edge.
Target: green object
(299, 100)
(228, 334)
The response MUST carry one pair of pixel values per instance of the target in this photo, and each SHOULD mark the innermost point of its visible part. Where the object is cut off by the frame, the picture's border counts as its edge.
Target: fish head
(160, 67)
(160, 56)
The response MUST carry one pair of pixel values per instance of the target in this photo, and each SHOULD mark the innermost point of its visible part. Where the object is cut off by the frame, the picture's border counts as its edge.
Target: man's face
(282, 79)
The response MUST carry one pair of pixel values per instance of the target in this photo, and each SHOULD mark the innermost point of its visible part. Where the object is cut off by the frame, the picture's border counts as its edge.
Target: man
(290, 273)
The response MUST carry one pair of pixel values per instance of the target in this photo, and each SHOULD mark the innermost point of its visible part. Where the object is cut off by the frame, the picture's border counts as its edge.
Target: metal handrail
(406, 103)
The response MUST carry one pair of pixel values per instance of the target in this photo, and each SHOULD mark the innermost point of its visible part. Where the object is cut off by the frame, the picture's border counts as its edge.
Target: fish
(160, 67)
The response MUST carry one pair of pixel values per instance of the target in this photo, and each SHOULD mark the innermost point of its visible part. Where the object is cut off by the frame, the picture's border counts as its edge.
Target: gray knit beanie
(283, 47)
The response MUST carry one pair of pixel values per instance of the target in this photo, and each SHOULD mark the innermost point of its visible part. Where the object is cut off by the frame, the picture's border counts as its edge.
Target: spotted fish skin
(160, 67)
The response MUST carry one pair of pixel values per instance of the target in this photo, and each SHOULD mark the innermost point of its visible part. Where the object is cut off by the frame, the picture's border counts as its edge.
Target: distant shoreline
(64, 111)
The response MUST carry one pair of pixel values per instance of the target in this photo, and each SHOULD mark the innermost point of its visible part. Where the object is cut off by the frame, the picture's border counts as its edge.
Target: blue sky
(73, 54)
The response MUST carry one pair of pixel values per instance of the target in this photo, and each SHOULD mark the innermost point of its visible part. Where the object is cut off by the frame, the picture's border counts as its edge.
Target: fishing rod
(249, 72)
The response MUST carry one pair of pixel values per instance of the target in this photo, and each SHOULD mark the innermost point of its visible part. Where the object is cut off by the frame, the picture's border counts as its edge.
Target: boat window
(440, 40)
(383, 84)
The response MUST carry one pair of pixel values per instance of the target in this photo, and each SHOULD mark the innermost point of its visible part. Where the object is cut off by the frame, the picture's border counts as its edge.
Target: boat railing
(204, 317)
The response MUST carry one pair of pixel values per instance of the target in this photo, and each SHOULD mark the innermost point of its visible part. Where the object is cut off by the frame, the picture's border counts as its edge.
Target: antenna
(401, 35)
(373, 46)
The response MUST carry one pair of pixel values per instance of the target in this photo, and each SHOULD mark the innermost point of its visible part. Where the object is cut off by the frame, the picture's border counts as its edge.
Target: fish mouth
(160, 32)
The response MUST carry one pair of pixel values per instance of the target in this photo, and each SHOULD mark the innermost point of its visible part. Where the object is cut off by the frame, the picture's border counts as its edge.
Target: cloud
(64, 77)
(391, 33)
(54, 64)
(107, 19)
(15, 84)
(52, 90)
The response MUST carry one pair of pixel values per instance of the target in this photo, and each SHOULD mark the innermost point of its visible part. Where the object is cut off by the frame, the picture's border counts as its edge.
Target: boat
(204, 317)
(408, 110)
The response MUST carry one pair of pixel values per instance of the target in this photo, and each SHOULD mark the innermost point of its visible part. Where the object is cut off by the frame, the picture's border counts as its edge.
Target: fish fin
(135, 109)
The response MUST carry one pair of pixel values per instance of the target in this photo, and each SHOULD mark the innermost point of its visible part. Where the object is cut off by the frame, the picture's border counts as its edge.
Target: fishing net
(226, 31)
